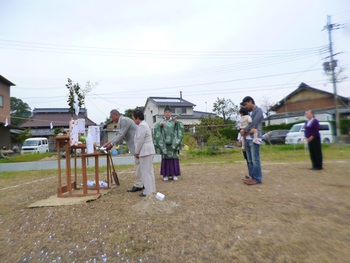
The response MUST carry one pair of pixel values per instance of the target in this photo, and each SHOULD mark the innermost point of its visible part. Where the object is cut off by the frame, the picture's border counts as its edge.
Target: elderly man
(127, 133)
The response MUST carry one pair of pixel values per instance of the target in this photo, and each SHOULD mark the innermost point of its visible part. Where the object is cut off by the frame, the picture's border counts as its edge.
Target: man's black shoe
(135, 189)
(142, 195)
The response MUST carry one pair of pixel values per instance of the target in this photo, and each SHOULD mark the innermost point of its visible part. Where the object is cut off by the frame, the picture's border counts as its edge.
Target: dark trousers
(315, 150)
(245, 157)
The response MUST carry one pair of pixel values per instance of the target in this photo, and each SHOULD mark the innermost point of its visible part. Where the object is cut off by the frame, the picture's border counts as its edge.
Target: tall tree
(266, 105)
(20, 111)
(226, 109)
(208, 127)
(128, 113)
(338, 74)
(23, 135)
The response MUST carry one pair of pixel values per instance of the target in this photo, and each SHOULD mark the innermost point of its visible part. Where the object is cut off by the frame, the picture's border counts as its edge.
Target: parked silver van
(296, 133)
(35, 145)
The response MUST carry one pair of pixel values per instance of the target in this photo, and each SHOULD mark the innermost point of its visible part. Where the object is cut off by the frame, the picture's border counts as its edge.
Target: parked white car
(35, 145)
(296, 133)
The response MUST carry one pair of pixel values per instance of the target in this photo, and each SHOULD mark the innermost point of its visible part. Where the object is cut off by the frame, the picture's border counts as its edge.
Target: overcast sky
(137, 49)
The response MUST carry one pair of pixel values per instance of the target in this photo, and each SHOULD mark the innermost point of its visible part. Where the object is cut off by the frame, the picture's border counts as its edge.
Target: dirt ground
(208, 215)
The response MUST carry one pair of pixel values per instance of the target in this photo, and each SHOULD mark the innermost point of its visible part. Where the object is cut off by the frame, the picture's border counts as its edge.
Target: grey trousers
(138, 175)
(146, 166)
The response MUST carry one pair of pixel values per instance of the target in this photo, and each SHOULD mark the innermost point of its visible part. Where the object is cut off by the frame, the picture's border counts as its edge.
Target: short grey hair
(114, 111)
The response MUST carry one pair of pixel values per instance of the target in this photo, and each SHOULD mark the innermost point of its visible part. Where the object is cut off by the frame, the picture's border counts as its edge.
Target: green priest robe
(168, 138)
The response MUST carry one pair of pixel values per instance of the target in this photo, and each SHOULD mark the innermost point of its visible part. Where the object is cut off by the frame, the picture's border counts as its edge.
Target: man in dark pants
(313, 139)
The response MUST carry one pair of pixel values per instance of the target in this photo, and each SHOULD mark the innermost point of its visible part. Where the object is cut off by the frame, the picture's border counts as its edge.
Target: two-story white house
(181, 109)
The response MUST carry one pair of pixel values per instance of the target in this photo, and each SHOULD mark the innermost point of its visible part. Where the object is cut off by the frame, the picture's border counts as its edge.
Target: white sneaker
(175, 178)
(256, 141)
(166, 178)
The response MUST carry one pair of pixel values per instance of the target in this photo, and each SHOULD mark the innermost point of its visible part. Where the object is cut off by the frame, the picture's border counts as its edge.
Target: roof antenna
(180, 94)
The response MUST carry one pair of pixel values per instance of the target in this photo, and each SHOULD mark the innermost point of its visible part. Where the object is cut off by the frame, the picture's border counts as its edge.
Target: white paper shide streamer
(76, 104)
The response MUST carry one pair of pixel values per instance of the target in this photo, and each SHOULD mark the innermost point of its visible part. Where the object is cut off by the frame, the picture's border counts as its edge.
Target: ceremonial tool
(114, 173)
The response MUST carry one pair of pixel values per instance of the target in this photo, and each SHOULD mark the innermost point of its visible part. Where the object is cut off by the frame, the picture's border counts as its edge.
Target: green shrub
(229, 133)
(125, 149)
(343, 126)
(204, 151)
(189, 140)
(216, 142)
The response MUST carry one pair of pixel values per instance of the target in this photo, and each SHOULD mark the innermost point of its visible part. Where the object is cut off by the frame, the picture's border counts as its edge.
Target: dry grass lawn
(209, 215)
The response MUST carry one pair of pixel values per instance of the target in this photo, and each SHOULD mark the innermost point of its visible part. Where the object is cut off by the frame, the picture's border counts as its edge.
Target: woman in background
(313, 138)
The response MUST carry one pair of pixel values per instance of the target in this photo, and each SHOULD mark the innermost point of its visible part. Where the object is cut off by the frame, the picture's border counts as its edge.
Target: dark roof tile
(59, 117)
(172, 102)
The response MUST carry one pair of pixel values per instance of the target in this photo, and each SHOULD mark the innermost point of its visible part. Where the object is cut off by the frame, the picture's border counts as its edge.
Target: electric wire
(34, 46)
(230, 68)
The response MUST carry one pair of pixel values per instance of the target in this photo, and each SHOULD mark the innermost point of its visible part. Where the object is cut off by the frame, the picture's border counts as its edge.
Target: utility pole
(330, 66)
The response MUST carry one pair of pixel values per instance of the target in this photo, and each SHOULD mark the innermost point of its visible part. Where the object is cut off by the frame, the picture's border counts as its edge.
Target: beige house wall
(307, 99)
(151, 109)
(6, 108)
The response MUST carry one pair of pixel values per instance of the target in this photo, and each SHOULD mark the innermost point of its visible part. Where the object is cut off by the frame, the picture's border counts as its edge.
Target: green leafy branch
(74, 88)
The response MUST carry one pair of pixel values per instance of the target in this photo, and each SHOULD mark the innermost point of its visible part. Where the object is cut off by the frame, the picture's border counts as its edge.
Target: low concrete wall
(52, 165)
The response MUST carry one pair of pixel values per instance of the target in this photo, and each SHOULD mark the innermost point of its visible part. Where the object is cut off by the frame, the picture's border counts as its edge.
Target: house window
(180, 110)
(1, 101)
(154, 118)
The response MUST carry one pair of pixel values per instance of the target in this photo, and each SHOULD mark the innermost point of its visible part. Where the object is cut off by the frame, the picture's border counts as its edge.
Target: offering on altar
(95, 133)
(73, 132)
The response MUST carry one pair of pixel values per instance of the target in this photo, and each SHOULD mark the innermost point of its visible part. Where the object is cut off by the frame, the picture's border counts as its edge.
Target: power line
(301, 73)
(208, 92)
(213, 82)
(35, 46)
(104, 84)
(262, 62)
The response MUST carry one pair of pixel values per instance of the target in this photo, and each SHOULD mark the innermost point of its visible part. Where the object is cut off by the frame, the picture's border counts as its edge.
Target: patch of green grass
(26, 174)
(205, 151)
(26, 157)
(43, 173)
(272, 153)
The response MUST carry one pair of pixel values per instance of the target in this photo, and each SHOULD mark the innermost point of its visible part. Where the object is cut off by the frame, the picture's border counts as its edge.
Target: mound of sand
(151, 205)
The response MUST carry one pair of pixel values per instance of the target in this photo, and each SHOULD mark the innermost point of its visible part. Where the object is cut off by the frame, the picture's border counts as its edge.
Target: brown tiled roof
(60, 118)
(301, 87)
